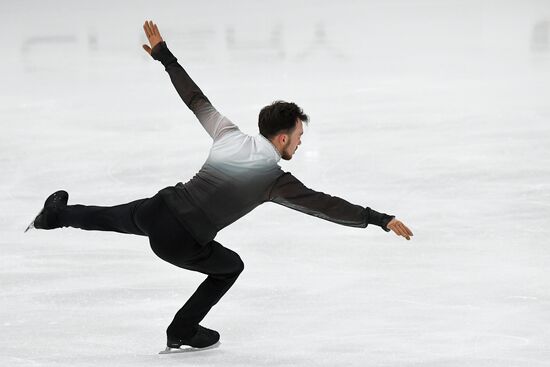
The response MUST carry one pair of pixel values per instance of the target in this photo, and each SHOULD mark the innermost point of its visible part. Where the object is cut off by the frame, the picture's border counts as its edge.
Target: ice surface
(434, 111)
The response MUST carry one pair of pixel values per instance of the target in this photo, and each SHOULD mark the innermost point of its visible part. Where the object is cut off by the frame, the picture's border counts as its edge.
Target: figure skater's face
(293, 139)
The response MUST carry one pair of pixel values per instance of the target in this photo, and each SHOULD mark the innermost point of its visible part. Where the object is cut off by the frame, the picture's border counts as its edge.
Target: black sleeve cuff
(379, 219)
(161, 53)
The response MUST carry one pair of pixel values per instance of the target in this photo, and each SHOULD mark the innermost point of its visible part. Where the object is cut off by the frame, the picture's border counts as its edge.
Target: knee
(227, 263)
(232, 270)
(236, 268)
(234, 263)
(239, 265)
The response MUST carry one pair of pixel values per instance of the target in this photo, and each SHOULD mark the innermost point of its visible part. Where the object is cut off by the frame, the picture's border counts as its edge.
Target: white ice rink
(434, 111)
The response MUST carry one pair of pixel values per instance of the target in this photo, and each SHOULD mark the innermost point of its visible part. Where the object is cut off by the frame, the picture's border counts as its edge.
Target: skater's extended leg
(118, 218)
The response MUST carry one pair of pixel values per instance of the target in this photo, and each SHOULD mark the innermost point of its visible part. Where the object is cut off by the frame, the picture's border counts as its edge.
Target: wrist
(379, 219)
(161, 53)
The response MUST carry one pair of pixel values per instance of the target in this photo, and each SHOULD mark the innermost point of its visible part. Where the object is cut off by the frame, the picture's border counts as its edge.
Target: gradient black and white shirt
(242, 172)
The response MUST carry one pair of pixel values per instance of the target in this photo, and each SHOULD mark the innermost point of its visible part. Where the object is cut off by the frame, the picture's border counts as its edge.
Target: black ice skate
(203, 339)
(47, 218)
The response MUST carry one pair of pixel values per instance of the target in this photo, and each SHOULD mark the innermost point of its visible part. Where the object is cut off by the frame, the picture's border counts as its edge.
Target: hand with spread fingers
(399, 228)
(153, 35)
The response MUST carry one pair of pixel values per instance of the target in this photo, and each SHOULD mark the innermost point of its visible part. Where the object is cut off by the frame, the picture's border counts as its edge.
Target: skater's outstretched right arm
(213, 122)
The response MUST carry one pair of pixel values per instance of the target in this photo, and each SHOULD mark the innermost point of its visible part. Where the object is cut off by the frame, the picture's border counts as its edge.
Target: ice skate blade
(188, 349)
(30, 226)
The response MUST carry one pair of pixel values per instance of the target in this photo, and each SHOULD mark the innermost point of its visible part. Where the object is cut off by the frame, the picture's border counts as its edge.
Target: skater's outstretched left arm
(213, 122)
(292, 193)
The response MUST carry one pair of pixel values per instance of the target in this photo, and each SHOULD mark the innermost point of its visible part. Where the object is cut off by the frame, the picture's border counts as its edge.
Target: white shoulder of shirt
(236, 143)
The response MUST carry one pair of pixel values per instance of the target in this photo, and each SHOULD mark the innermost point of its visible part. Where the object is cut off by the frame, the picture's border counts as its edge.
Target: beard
(286, 155)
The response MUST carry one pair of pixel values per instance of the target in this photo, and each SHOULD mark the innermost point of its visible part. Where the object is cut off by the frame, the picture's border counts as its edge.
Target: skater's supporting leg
(172, 242)
(223, 266)
(119, 218)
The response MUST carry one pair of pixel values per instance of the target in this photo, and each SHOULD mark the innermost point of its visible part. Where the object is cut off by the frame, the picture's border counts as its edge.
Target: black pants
(171, 242)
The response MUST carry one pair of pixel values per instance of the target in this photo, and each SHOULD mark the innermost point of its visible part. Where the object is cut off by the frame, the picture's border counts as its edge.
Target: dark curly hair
(280, 116)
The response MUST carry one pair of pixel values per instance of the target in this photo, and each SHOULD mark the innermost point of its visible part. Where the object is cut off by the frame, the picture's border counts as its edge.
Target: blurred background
(434, 111)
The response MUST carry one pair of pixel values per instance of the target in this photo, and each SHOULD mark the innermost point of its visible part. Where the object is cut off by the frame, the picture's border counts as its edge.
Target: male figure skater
(240, 173)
